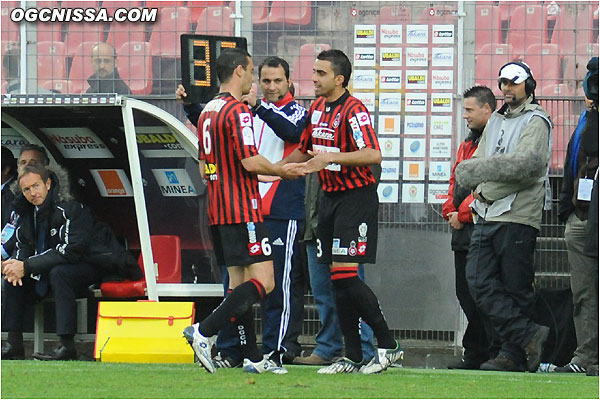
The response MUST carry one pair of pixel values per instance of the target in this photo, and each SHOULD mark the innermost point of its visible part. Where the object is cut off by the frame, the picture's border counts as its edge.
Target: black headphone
(530, 83)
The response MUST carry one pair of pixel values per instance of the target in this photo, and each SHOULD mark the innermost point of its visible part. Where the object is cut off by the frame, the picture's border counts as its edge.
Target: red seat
(391, 15)
(51, 61)
(166, 252)
(134, 62)
(544, 60)
(488, 26)
(79, 32)
(123, 32)
(303, 67)
(172, 23)
(562, 90)
(81, 68)
(50, 32)
(197, 7)
(164, 4)
(290, 12)
(10, 30)
(260, 12)
(79, 4)
(528, 25)
(576, 62)
(112, 6)
(215, 21)
(488, 62)
(57, 85)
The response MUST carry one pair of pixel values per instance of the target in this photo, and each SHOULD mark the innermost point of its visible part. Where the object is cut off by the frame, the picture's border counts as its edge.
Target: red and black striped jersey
(341, 126)
(226, 138)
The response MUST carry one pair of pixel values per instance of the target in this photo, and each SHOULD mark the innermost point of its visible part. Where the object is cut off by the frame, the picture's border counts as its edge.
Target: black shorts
(347, 230)
(239, 245)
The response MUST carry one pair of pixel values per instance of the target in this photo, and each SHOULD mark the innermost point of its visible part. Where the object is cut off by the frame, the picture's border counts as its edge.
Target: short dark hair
(34, 169)
(228, 61)
(34, 147)
(275, 62)
(9, 160)
(483, 94)
(339, 63)
(11, 62)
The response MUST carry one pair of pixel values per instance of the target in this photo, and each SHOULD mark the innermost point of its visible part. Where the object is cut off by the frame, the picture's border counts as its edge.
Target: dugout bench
(134, 164)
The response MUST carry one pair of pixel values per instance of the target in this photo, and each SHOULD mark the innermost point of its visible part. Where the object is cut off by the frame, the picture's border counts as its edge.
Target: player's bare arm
(353, 158)
(260, 165)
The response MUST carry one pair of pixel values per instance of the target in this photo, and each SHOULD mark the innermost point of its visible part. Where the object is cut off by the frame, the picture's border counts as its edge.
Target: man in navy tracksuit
(278, 125)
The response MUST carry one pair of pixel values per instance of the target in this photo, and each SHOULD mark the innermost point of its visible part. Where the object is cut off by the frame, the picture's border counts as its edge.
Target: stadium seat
(290, 12)
(545, 63)
(112, 6)
(215, 21)
(172, 23)
(79, 4)
(134, 62)
(561, 90)
(51, 61)
(528, 25)
(487, 26)
(166, 252)
(506, 10)
(303, 66)
(123, 32)
(390, 15)
(575, 62)
(81, 68)
(260, 12)
(573, 26)
(164, 4)
(488, 62)
(10, 30)
(57, 85)
(197, 7)
(50, 32)
(79, 32)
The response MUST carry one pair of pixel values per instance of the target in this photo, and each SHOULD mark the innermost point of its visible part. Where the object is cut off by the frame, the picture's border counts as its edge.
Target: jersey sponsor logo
(354, 124)
(363, 118)
(315, 117)
(362, 248)
(248, 136)
(210, 170)
(254, 249)
(323, 133)
(251, 232)
(328, 149)
(245, 119)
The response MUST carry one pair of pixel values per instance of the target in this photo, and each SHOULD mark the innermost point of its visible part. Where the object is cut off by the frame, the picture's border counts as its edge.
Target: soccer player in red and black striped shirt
(340, 143)
(230, 163)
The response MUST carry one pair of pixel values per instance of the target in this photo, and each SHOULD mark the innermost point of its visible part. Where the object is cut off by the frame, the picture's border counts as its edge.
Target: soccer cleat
(221, 361)
(571, 367)
(383, 359)
(342, 366)
(262, 366)
(201, 345)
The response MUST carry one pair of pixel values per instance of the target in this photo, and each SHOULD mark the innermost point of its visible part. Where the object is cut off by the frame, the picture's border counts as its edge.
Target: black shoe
(571, 367)
(11, 352)
(502, 363)
(535, 347)
(61, 353)
(221, 361)
(464, 364)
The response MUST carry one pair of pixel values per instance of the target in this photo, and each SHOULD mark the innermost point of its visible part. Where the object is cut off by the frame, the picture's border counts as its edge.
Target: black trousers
(475, 340)
(500, 275)
(67, 283)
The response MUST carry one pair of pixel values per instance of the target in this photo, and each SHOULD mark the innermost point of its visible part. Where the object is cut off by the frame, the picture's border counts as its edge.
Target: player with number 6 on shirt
(229, 161)
(339, 142)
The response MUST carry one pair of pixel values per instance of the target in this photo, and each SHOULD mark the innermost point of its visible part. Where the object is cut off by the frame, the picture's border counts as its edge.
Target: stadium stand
(167, 259)
(111, 6)
(303, 66)
(51, 61)
(290, 12)
(10, 30)
(81, 68)
(134, 62)
(50, 32)
(197, 7)
(562, 89)
(487, 63)
(164, 4)
(260, 12)
(528, 25)
(57, 85)
(78, 32)
(488, 26)
(215, 21)
(545, 60)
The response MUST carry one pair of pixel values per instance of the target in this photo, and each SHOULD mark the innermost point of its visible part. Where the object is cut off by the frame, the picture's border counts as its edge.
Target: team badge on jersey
(336, 121)
(363, 118)
(316, 116)
(245, 119)
(362, 232)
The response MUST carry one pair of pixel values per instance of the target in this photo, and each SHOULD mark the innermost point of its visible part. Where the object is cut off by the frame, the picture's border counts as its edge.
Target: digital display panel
(198, 57)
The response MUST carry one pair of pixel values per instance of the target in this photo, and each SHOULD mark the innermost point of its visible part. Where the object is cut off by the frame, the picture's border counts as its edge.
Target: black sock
(15, 339)
(365, 301)
(247, 336)
(349, 319)
(68, 341)
(233, 307)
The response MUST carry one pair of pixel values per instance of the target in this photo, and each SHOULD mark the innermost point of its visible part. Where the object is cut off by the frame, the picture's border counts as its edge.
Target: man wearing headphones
(508, 176)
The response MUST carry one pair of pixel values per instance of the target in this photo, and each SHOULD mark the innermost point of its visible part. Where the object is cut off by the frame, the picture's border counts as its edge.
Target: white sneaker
(201, 345)
(383, 359)
(342, 366)
(264, 365)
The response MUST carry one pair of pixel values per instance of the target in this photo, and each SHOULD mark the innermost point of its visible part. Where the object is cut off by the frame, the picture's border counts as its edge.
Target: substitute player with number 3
(230, 163)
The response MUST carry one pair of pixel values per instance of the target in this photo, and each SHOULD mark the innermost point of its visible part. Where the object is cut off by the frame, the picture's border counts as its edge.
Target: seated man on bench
(61, 248)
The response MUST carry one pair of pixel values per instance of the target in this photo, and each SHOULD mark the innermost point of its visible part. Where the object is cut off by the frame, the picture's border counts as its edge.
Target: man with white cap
(508, 175)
